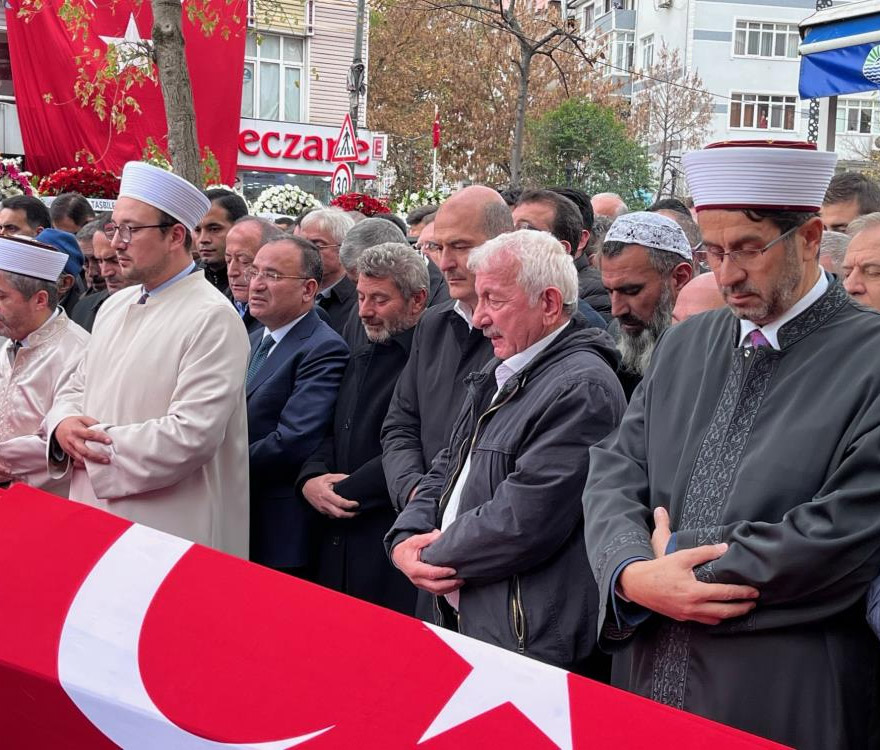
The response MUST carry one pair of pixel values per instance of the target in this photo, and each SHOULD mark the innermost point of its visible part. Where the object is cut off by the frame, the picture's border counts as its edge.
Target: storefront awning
(840, 50)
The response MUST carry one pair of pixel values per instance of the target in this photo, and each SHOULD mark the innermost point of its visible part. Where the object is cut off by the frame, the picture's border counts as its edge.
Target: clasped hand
(72, 434)
(667, 584)
(432, 578)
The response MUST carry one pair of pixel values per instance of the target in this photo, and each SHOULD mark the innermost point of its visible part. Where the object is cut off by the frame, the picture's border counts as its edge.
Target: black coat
(591, 289)
(428, 394)
(339, 302)
(351, 557)
(86, 310)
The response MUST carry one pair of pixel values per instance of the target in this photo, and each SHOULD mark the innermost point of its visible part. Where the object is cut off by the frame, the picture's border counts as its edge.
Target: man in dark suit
(296, 365)
(327, 228)
(344, 480)
(243, 240)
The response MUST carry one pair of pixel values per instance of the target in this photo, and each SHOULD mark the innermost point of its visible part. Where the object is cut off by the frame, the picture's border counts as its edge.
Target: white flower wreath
(285, 200)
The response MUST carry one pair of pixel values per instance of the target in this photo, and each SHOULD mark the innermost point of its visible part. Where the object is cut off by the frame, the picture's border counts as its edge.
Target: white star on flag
(130, 47)
(539, 691)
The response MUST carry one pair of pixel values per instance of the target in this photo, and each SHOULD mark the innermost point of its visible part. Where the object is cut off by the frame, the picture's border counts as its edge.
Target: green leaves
(586, 145)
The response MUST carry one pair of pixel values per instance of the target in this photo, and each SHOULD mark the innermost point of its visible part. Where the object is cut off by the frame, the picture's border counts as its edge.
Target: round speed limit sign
(341, 181)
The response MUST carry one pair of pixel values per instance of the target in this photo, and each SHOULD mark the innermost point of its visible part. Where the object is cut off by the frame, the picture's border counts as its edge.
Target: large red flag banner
(46, 61)
(114, 634)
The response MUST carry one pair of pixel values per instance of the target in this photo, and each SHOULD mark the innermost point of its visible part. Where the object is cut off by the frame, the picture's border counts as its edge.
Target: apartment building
(746, 54)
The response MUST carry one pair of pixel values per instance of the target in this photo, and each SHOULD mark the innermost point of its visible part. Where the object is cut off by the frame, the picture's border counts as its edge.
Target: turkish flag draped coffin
(55, 128)
(113, 634)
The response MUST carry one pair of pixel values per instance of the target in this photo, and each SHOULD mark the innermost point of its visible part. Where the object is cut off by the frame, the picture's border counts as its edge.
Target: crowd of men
(539, 418)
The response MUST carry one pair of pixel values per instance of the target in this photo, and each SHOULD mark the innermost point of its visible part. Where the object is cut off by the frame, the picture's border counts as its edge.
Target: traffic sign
(345, 148)
(341, 181)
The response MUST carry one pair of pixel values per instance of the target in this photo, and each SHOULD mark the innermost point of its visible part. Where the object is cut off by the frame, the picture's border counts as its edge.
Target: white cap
(29, 258)
(165, 191)
(650, 229)
(774, 175)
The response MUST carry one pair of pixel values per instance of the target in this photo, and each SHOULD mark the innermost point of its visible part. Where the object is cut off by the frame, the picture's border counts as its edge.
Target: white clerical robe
(165, 380)
(27, 389)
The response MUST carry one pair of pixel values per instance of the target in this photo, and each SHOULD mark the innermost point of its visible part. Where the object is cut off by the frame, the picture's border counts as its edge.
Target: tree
(586, 145)
(671, 113)
(428, 53)
(107, 81)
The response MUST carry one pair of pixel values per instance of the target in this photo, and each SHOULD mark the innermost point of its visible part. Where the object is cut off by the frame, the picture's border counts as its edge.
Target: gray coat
(517, 540)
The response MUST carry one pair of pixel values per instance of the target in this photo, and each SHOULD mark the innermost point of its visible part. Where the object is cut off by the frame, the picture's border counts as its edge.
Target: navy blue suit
(289, 404)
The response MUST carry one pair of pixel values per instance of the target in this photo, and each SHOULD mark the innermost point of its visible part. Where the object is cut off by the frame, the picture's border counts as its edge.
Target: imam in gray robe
(776, 453)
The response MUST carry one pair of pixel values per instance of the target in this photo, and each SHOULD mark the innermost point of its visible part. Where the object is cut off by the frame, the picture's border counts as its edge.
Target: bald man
(446, 346)
(608, 204)
(699, 295)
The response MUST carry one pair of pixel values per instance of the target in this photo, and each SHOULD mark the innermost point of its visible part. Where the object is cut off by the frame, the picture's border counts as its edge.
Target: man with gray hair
(608, 204)
(247, 235)
(645, 261)
(494, 529)
(860, 269)
(832, 251)
(344, 480)
(43, 350)
(327, 228)
(369, 233)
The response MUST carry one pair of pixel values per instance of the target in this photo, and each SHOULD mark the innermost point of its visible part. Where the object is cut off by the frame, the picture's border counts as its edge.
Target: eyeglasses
(126, 231)
(252, 274)
(745, 259)
(323, 245)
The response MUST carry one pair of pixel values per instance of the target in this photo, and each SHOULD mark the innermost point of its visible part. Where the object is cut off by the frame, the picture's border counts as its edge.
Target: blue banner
(848, 70)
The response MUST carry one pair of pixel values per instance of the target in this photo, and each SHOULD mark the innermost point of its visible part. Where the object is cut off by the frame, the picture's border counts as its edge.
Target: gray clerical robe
(776, 453)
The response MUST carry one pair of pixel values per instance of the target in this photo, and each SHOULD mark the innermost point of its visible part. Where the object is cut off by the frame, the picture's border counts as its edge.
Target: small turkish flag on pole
(436, 128)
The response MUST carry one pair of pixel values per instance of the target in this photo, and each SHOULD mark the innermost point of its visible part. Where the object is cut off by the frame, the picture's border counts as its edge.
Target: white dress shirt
(506, 370)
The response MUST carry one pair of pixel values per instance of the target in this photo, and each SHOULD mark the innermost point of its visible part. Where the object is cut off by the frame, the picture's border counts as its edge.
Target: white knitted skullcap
(650, 230)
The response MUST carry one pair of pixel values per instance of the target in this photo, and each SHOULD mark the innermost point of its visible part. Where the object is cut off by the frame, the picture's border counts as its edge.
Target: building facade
(294, 96)
(746, 54)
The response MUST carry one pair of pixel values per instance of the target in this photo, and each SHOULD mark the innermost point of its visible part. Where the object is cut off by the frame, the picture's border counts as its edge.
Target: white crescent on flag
(98, 651)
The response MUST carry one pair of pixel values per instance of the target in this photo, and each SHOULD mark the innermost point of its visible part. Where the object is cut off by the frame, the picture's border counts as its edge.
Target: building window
(858, 116)
(589, 17)
(620, 45)
(647, 51)
(763, 111)
(760, 39)
(273, 74)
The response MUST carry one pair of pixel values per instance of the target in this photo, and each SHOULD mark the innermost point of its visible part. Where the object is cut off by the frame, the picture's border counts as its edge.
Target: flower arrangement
(423, 197)
(87, 181)
(366, 204)
(12, 180)
(286, 200)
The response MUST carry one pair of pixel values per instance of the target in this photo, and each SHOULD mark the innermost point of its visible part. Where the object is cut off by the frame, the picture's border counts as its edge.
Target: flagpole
(434, 172)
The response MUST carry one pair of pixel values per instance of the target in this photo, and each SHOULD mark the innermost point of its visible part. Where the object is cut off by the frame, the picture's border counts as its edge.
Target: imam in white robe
(165, 380)
(28, 381)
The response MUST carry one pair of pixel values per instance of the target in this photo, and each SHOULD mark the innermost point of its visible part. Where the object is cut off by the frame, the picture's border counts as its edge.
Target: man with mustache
(645, 261)
(494, 531)
(344, 480)
(733, 521)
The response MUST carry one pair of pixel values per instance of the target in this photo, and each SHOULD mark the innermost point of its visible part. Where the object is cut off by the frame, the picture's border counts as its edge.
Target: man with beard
(153, 423)
(645, 261)
(733, 520)
(344, 480)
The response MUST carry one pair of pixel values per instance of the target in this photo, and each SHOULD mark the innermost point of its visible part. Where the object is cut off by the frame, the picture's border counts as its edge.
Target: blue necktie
(259, 357)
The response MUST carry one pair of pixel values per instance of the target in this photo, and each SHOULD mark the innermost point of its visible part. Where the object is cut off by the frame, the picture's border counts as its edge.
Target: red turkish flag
(435, 131)
(224, 651)
(56, 131)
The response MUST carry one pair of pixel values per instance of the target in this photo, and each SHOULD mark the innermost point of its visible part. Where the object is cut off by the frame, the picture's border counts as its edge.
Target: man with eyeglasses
(295, 368)
(153, 425)
(645, 262)
(733, 521)
(243, 242)
(337, 295)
